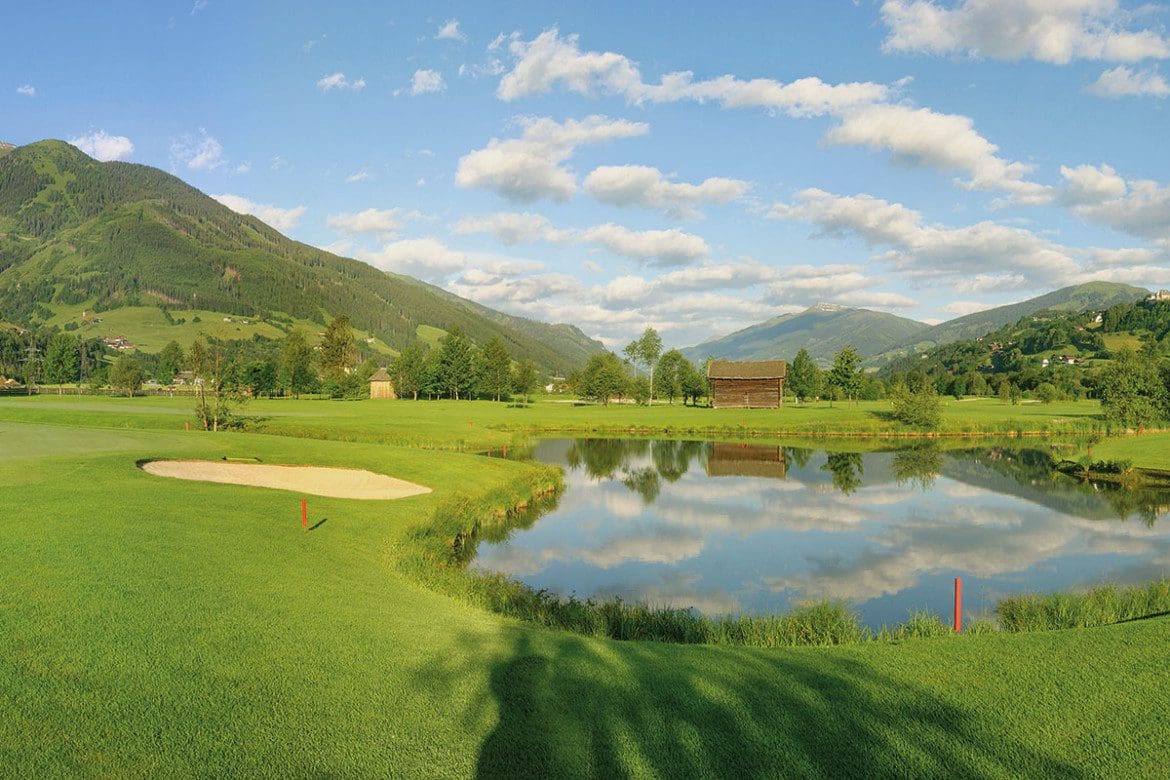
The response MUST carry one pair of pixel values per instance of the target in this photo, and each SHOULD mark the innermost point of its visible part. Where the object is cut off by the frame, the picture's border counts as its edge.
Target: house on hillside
(747, 384)
(1161, 295)
(381, 385)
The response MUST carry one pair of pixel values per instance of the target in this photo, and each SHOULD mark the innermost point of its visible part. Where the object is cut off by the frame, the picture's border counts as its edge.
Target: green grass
(1096, 607)
(153, 627)
(1148, 451)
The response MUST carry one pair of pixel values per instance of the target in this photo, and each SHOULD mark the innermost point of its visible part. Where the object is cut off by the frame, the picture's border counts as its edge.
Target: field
(155, 627)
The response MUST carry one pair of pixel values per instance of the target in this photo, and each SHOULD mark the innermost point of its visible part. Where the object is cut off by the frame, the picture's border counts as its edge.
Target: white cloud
(100, 145)
(283, 220)
(357, 176)
(738, 275)
(202, 153)
(509, 227)
(198, 6)
(1140, 208)
(338, 81)
(450, 32)
(641, 185)
(550, 60)
(963, 308)
(383, 223)
(1053, 31)
(27, 89)
(1122, 82)
(660, 247)
(426, 82)
(948, 142)
(244, 167)
(531, 167)
(425, 258)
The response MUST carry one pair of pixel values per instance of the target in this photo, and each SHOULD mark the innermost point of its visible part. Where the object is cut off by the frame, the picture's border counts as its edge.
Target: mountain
(77, 235)
(1081, 297)
(823, 330)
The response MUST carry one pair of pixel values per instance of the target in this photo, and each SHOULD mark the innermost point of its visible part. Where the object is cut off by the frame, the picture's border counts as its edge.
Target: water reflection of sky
(673, 523)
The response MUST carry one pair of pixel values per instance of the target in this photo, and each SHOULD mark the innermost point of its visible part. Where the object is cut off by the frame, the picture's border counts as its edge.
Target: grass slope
(92, 235)
(823, 330)
(1081, 297)
(158, 627)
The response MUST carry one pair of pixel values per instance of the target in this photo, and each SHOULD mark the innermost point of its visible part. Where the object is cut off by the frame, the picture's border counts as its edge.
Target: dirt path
(314, 480)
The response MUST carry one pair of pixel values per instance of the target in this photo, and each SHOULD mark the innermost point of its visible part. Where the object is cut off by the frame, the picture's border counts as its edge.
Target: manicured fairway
(154, 627)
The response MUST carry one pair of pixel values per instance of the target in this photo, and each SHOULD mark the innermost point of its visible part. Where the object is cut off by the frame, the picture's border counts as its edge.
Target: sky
(695, 167)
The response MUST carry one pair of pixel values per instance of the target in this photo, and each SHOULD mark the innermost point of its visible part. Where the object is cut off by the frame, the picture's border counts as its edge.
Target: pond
(728, 527)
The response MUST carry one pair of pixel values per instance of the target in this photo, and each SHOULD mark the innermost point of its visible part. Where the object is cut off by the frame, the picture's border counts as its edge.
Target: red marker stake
(958, 604)
(305, 514)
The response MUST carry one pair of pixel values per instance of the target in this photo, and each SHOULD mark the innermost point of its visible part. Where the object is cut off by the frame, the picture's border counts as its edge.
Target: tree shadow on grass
(570, 707)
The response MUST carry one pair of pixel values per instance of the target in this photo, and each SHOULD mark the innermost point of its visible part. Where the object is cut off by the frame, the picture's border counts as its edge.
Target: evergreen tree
(845, 376)
(408, 370)
(525, 378)
(338, 349)
(497, 368)
(806, 380)
(456, 365)
(61, 359)
(295, 369)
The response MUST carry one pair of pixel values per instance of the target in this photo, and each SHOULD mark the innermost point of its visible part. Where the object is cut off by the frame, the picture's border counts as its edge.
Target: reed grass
(1096, 607)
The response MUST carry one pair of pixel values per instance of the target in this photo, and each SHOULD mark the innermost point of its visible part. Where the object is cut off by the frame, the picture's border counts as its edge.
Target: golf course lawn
(160, 627)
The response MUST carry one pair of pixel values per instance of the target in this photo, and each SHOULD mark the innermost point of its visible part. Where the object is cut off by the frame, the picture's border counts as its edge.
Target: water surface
(730, 527)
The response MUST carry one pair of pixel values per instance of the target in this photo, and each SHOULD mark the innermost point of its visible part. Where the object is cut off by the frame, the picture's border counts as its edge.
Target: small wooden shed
(731, 459)
(747, 384)
(381, 385)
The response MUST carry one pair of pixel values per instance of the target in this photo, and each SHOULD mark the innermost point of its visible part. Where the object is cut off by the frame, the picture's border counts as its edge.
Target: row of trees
(459, 369)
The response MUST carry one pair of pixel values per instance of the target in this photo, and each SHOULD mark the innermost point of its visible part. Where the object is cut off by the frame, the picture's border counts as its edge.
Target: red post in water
(505, 452)
(305, 514)
(958, 604)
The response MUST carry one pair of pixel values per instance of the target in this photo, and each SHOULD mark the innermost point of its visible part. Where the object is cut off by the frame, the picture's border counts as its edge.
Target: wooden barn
(748, 384)
(729, 459)
(381, 386)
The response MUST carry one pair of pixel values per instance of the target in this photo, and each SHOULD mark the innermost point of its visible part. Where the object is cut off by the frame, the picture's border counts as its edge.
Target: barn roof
(747, 369)
(380, 376)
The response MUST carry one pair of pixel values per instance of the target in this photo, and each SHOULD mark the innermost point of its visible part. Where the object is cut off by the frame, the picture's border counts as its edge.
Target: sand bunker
(314, 480)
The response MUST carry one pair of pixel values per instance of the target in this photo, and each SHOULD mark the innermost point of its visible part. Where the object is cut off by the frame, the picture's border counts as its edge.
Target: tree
(294, 370)
(694, 384)
(126, 374)
(61, 359)
(456, 365)
(497, 367)
(409, 369)
(649, 348)
(170, 363)
(603, 378)
(525, 378)
(1133, 394)
(633, 355)
(845, 375)
(806, 379)
(217, 382)
(338, 349)
(668, 377)
(259, 376)
(921, 408)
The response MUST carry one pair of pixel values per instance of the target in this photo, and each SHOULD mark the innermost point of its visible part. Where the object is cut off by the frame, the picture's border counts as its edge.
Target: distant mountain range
(824, 329)
(77, 235)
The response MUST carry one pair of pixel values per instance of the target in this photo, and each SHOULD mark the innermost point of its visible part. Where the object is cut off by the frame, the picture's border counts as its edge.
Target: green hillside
(823, 330)
(1096, 296)
(79, 236)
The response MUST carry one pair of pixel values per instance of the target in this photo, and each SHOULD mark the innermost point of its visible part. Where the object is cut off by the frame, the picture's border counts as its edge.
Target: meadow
(153, 627)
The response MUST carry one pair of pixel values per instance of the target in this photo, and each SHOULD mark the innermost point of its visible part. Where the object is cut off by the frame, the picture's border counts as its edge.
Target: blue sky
(680, 165)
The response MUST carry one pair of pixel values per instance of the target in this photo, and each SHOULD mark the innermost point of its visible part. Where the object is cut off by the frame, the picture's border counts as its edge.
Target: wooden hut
(748, 384)
(381, 385)
(729, 459)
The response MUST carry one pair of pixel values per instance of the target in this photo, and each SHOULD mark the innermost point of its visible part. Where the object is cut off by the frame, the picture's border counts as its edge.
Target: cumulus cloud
(948, 142)
(338, 81)
(929, 250)
(531, 167)
(383, 223)
(425, 258)
(1140, 208)
(283, 220)
(509, 227)
(100, 145)
(1122, 82)
(963, 308)
(550, 60)
(427, 82)
(199, 153)
(357, 176)
(1053, 31)
(641, 185)
(27, 89)
(451, 32)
